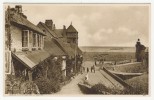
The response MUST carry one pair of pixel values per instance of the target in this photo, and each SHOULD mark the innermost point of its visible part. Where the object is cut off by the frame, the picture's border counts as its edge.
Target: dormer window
(25, 38)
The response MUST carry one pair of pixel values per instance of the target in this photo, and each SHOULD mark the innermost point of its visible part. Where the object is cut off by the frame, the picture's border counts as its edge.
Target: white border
(74, 98)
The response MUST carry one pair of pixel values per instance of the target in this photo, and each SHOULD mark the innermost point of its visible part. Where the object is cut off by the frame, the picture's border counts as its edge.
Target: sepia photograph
(76, 49)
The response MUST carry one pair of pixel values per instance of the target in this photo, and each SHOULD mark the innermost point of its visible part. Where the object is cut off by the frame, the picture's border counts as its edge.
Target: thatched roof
(20, 21)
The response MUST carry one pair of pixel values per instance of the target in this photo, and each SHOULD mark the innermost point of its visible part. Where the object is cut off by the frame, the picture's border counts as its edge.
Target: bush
(46, 86)
(48, 75)
(102, 89)
(98, 88)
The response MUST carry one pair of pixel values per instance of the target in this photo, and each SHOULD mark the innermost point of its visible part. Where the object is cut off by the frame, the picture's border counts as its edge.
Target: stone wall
(16, 37)
(129, 67)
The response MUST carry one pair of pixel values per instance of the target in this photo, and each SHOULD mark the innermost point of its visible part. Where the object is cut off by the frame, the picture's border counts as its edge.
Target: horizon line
(109, 46)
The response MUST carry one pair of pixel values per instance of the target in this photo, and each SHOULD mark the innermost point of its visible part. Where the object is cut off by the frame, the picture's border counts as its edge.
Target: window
(38, 40)
(42, 41)
(34, 40)
(25, 38)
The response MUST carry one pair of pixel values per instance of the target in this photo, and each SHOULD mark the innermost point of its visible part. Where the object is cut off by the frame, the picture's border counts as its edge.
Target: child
(86, 78)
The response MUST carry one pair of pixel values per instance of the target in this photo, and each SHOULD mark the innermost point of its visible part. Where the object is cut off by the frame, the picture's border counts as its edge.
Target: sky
(97, 24)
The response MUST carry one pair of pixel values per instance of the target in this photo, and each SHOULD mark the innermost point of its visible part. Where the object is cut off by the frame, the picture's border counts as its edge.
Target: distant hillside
(106, 49)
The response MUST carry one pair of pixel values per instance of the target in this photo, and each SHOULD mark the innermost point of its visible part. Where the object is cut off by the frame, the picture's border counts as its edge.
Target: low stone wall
(129, 67)
(117, 78)
(86, 89)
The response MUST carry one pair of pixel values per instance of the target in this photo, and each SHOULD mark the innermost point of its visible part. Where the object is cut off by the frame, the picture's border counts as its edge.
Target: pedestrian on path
(86, 78)
(95, 63)
(87, 69)
(83, 69)
(94, 67)
(91, 68)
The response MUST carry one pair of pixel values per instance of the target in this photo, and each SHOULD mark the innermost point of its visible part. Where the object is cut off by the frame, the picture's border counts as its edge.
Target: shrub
(48, 75)
(43, 85)
(46, 86)
(102, 89)
(98, 88)
(29, 87)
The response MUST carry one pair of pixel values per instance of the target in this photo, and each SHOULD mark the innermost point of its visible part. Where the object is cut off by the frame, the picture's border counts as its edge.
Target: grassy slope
(139, 83)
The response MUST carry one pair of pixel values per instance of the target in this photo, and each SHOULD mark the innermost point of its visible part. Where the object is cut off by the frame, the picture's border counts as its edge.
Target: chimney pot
(18, 8)
(64, 27)
(49, 23)
(54, 27)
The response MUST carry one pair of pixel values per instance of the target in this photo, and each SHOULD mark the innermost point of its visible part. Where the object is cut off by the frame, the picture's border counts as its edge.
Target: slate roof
(50, 44)
(52, 47)
(78, 50)
(59, 32)
(31, 59)
(47, 29)
(71, 29)
(66, 47)
(19, 20)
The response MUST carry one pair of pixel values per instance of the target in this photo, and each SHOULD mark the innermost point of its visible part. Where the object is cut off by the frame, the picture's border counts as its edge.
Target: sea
(107, 49)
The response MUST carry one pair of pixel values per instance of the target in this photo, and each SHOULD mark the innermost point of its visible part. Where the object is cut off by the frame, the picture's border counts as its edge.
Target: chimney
(49, 23)
(64, 31)
(54, 27)
(18, 8)
(64, 27)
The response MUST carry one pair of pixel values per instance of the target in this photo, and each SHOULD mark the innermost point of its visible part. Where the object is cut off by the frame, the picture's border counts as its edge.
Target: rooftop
(71, 29)
(20, 20)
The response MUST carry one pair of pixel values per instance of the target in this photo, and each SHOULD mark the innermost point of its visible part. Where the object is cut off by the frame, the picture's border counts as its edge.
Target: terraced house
(24, 41)
(24, 48)
(33, 52)
(67, 40)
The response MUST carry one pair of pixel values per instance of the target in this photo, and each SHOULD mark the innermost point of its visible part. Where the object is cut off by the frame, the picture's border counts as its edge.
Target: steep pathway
(72, 87)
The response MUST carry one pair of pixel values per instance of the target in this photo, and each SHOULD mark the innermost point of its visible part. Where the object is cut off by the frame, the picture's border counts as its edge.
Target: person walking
(95, 63)
(86, 78)
(83, 68)
(87, 69)
(91, 69)
(94, 68)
